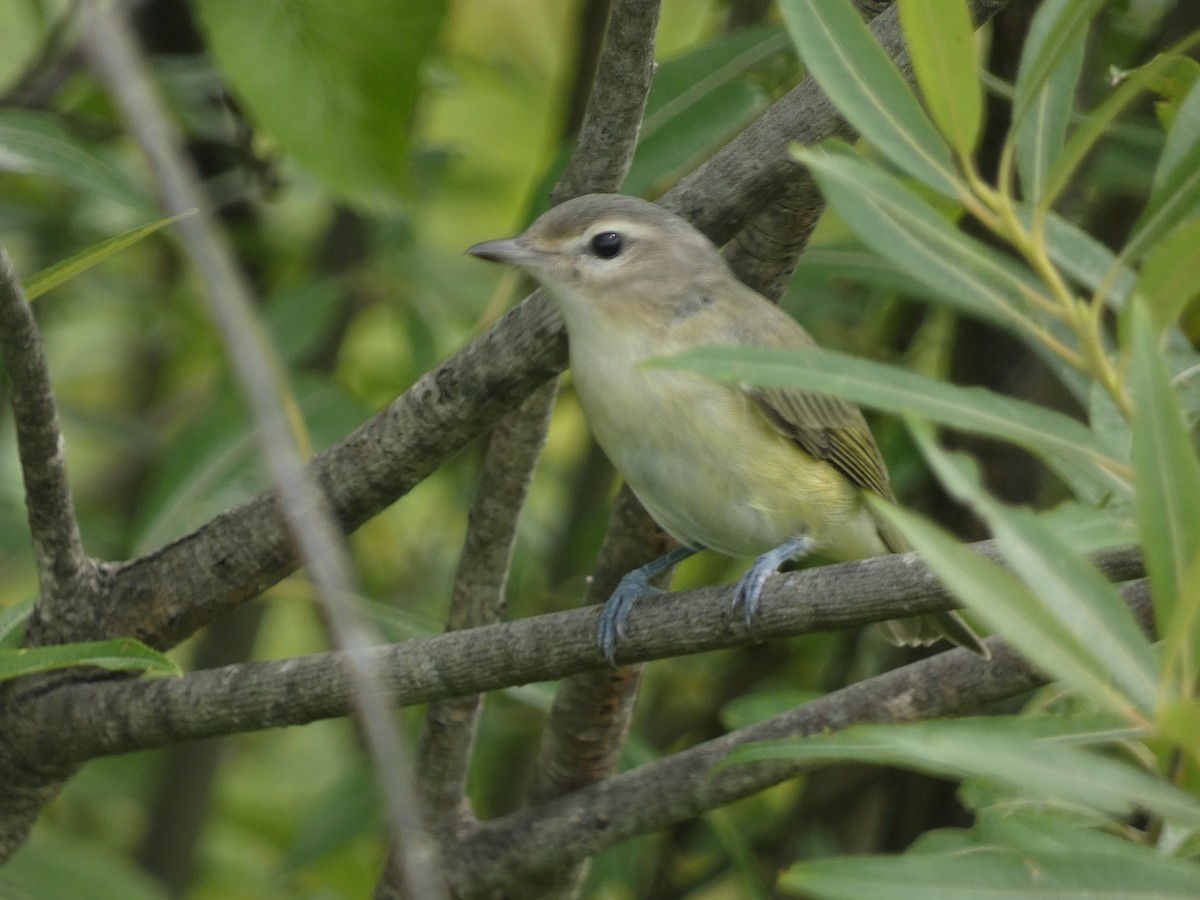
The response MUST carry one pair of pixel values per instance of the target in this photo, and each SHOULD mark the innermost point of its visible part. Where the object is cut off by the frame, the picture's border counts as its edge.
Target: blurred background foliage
(356, 147)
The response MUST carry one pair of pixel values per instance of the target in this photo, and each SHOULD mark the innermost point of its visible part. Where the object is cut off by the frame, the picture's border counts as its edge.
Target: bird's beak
(513, 251)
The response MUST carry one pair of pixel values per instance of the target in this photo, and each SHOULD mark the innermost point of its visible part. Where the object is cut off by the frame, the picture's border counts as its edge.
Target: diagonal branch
(603, 152)
(58, 548)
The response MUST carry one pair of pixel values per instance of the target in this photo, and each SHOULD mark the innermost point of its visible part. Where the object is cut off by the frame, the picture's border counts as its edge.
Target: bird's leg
(634, 585)
(751, 585)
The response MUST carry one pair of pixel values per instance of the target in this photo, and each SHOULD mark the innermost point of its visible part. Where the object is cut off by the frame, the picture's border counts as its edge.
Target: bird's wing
(828, 429)
(824, 427)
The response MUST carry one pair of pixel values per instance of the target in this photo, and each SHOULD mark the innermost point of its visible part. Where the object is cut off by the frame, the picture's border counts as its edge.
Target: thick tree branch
(58, 548)
(73, 722)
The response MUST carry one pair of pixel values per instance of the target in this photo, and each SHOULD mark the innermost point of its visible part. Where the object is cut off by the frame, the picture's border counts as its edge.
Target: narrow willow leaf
(1054, 34)
(122, 654)
(839, 52)
(1167, 501)
(12, 623)
(1042, 131)
(941, 43)
(1181, 655)
(1050, 435)
(999, 750)
(1183, 135)
(1168, 280)
(1176, 193)
(1010, 608)
(1095, 125)
(64, 271)
(903, 228)
(996, 873)
(1084, 605)
(37, 142)
(697, 102)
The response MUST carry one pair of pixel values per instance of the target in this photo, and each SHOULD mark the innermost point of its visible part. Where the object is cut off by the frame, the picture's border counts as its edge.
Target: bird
(770, 473)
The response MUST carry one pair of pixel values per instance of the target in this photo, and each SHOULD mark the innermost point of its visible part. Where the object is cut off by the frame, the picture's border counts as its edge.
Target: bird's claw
(615, 615)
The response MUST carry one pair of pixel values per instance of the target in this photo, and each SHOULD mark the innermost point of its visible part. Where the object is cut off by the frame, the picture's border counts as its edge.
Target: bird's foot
(749, 589)
(613, 618)
(615, 615)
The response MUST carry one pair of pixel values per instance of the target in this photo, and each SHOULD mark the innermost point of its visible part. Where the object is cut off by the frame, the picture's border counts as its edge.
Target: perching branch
(74, 722)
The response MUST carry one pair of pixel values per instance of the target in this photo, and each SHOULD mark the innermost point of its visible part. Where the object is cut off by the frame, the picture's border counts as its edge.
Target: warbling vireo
(774, 473)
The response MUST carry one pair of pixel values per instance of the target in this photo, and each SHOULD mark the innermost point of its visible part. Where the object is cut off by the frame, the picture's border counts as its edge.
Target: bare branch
(477, 599)
(58, 548)
(77, 721)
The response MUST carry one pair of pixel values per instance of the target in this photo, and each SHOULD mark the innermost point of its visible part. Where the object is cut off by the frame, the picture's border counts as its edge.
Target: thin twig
(116, 56)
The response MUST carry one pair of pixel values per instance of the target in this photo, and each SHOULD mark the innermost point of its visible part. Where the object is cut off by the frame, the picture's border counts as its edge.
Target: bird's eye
(607, 244)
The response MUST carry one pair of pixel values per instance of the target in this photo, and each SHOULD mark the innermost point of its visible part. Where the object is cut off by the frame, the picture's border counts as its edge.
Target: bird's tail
(920, 631)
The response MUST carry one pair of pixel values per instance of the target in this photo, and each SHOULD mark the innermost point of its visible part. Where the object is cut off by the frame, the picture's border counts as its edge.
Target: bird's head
(606, 249)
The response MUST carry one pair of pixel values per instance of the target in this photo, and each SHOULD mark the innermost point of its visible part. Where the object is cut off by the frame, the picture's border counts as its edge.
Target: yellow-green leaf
(941, 44)
(63, 271)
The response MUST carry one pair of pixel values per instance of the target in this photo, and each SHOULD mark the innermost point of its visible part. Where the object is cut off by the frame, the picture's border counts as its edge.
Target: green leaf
(58, 866)
(1054, 437)
(1011, 752)
(12, 623)
(119, 655)
(1176, 193)
(842, 55)
(1167, 501)
(901, 227)
(1087, 529)
(697, 102)
(941, 43)
(1097, 123)
(1167, 282)
(1011, 608)
(1042, 131)
(1184, 132)
(1089, 615)
(1055, 33)
(996, 873)
(60, 272)
(37, 142)
(341, 84)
